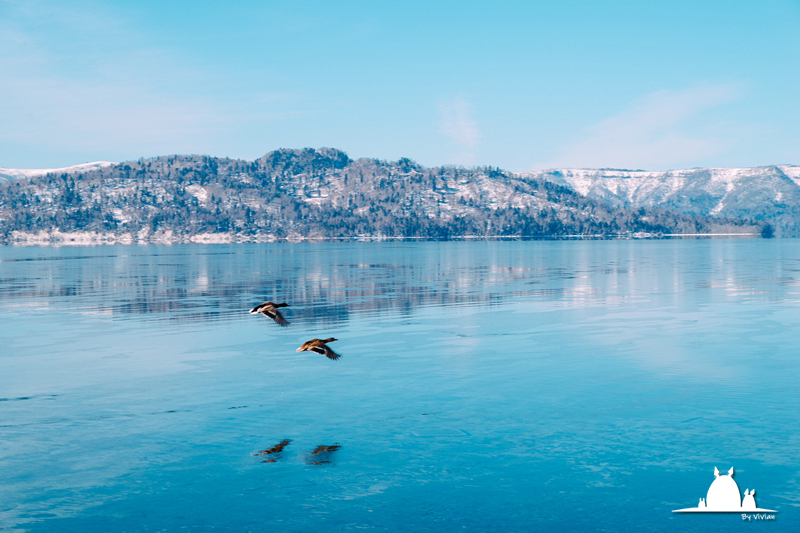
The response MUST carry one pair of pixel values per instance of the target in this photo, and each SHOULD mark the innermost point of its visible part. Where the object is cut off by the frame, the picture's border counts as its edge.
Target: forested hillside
(769, 194)
(313, 194)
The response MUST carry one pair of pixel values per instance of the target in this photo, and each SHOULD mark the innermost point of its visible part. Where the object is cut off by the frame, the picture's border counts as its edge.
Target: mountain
(770, 194)
(314, 194)
(8, 174)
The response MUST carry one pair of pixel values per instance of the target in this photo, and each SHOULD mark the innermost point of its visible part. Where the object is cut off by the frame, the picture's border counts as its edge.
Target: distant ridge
(319, 194)
(770, 193)
(21, 173)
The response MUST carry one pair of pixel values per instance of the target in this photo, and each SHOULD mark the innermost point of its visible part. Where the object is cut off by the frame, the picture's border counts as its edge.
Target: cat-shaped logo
(724, 497)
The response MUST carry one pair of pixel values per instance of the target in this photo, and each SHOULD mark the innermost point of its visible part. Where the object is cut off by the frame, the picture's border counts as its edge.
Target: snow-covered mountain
(314, 194)
(7, 174)
(769, 193)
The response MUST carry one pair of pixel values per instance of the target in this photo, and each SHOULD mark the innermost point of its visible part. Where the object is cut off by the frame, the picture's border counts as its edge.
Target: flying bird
(321, 347)
(270, 310)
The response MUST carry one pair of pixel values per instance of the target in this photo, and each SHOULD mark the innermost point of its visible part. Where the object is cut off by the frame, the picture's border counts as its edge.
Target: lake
(483, 386)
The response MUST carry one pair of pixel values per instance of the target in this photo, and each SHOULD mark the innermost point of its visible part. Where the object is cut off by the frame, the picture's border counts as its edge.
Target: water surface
(492, 386)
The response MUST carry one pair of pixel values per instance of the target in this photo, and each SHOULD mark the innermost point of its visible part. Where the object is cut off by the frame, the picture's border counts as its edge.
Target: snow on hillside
(793, 171)
(630, 185)
(21, 173)
(760, 193)
(769, 194)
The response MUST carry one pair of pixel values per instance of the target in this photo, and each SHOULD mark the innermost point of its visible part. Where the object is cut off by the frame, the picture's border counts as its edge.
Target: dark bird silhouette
(320, 346)
(321, 454)
(278, 448)
(270, 310)
(325, 449)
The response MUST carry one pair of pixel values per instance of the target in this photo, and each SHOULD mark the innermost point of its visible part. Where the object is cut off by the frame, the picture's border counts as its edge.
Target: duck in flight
(270, 310)
(320, 346)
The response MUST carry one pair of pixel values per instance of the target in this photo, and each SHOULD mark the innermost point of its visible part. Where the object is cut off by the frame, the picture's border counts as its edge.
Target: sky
(526, 85)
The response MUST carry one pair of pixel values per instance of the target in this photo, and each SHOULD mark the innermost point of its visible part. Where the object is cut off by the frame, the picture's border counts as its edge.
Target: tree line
(322, 194)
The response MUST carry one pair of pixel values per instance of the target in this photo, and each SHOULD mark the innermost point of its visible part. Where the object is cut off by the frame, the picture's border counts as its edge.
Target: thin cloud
(100, 96)
(457, 124)
(659, 131)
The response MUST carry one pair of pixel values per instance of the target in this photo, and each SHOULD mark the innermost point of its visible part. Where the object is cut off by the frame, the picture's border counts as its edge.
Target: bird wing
(276, 315)
(324, 350)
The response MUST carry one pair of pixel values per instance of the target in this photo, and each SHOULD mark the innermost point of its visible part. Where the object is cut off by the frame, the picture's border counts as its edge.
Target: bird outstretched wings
(321, 347)
(270, 310)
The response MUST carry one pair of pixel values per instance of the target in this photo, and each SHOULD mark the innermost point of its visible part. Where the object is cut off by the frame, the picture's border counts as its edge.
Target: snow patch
(121, 216)
(21, 173)
(793, 171)
(717, 210)
(212, 238)
(198, 192)
(716, 188)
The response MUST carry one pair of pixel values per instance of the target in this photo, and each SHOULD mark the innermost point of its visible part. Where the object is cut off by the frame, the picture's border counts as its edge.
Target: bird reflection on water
(322, 455)
(278, 448)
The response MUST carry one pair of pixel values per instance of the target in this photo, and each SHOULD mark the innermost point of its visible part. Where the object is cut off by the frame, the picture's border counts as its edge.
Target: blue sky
(519, 85)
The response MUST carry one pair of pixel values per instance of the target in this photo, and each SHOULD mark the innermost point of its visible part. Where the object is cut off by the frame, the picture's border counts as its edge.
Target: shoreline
(58, 238)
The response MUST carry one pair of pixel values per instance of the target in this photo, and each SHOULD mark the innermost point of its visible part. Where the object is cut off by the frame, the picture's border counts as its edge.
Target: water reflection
(23, 398)
(192, 284)
(605, 360)
(322, 455)
(274, 451)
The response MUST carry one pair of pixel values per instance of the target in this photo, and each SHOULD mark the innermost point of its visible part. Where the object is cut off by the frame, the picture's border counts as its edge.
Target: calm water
(486, 386)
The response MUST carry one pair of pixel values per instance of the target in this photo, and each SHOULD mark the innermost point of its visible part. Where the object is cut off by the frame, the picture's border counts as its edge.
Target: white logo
(724, 497)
